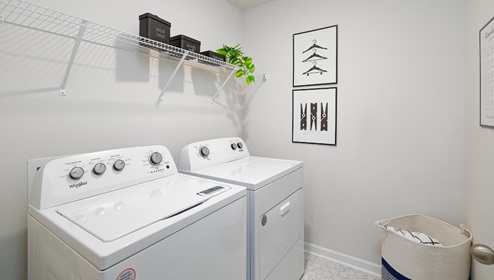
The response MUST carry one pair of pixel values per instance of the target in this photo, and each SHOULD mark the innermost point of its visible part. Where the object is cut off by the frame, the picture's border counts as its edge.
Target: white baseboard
(353, 262)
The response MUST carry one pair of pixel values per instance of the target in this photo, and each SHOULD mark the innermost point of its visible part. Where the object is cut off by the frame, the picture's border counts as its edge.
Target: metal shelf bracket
(77, 43)
(180, 63)
(223, 85)
(263, 77)
(250, 93)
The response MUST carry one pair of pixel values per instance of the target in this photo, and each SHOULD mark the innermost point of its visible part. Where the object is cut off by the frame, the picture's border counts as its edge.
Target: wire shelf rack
(38, 18)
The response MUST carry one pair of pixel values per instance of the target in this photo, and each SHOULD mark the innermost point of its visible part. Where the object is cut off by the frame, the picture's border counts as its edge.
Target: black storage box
(154, 28)
(214, 55)
(186, 43)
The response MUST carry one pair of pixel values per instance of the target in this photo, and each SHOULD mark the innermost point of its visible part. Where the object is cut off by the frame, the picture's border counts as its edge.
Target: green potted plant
(235, 56)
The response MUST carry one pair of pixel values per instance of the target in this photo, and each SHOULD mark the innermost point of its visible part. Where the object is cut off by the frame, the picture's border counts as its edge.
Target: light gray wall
(111, 98)
(479, 148)
(400, 113)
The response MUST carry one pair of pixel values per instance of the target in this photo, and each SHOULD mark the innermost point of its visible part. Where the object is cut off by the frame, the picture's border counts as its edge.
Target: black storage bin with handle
(154, 28)
(213, 55)
(186, 43)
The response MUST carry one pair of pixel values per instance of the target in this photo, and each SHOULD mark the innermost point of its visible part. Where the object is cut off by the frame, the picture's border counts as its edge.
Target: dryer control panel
(208, 153)
(71, 178)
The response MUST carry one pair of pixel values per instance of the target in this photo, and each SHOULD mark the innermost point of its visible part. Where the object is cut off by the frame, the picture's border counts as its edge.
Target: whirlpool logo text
(78, 185)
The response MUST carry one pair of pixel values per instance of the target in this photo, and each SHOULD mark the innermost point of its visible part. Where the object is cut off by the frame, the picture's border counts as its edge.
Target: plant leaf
(240, 73)
(248, 60)
(249, 79)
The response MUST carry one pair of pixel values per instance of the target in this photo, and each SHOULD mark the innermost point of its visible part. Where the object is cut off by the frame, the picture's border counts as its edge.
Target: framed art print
(315, 57)
(314, 116)
(486, 45)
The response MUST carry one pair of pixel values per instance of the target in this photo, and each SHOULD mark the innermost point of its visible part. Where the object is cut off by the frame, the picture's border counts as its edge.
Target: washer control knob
(99, 168)
(204, 151)
(155, 158)
(234, 146)
(119, 165)
(76, 173)
(240, 145)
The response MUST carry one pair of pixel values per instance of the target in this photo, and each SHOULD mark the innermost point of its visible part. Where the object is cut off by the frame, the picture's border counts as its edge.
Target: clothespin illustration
(324, 117)
(313, 116)
(303, 117)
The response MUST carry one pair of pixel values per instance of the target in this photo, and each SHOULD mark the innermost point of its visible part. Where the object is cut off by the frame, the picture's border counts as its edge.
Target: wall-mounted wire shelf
(28, 15)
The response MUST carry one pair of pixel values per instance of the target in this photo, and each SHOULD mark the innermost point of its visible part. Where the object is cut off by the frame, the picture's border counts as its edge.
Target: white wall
(400, 113)
(479, 148)
(111, 98)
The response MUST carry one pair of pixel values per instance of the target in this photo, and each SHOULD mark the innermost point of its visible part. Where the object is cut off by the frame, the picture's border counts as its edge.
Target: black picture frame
(315, 57)
(486, 53)
(314, 116)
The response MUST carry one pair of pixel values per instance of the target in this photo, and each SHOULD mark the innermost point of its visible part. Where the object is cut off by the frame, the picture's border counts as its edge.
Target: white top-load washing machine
(127, 214)
(275, 202)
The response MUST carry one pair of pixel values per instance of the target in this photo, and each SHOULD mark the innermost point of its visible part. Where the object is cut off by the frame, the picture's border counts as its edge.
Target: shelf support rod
(72, 57)
(223, 85)
(258, 85)
(173, 75)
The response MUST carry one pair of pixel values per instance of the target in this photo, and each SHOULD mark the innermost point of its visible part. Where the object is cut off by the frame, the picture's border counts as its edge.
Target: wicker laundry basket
(403, 258)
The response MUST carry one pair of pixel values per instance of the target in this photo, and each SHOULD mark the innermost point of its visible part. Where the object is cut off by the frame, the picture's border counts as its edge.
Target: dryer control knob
(234, 146)
(76, 173)
(119, 165)
(155, 158)
(99, 168)
(204, 151)
(240, 145)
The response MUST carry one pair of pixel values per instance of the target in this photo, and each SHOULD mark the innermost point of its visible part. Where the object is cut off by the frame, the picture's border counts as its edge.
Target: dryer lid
(116, 214)
(251, 172)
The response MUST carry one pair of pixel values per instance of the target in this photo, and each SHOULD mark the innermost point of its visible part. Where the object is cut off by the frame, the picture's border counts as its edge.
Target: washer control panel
(208, 153)
(75, 177)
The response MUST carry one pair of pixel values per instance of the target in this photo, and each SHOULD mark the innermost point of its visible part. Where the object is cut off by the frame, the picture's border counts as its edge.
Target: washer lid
(251, 172)
(116, 214)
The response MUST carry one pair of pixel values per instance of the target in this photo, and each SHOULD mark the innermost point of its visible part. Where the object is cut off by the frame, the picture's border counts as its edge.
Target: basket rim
(469, 236)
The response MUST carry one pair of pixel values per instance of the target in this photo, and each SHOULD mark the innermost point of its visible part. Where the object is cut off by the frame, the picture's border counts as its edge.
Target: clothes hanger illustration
(314, 46)
(314, 57)
(314, 70)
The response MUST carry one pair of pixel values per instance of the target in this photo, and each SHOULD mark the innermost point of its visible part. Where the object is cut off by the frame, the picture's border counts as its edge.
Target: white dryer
(127, 214)
(275, 203)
